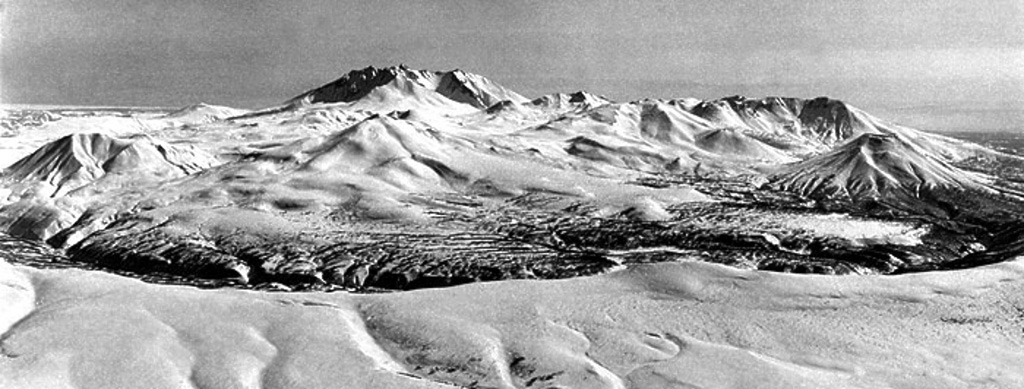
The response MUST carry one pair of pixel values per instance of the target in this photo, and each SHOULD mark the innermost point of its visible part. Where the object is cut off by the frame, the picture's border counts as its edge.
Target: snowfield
(677, 325)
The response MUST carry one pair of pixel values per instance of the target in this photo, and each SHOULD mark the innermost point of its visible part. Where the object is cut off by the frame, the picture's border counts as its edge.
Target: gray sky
(912, 61)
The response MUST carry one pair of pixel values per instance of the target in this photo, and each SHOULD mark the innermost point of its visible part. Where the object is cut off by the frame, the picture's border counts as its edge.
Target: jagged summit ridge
(821, 120)
(350, 87)
(799, 127)
(396, 82)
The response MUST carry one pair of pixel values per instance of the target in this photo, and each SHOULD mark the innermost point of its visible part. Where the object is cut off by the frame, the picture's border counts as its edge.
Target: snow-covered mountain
(399, 86)
(403, 146)
(563, 101)
(47, 191)
(394, 151)
(79, 159)
(398, 179)
(796, 127)
(203, 113)
(874, 166)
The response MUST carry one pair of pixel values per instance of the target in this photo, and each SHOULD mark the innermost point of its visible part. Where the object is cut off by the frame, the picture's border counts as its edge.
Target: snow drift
(652, 326)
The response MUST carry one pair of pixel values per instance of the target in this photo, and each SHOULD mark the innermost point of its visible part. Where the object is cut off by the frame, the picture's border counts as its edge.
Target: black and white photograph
(520, 194)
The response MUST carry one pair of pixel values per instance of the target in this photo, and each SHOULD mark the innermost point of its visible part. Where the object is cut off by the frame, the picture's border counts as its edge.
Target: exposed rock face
(580, 99)
(455, 85)
(385, 260)
(353, 86)
(821, 119)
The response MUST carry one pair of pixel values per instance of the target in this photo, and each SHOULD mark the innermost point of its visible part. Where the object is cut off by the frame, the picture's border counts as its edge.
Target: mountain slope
(399, 85)
(394, 151)
(806, 127)
(563, 101)
(728, 141)
(794, 127)
(820, 120)
(77, 160)
(673, 325)
(203, 113)
(874, 166)
(49, 190)
(449, 149)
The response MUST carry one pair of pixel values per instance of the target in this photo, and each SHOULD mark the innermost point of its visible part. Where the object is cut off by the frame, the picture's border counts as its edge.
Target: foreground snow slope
(672, 325)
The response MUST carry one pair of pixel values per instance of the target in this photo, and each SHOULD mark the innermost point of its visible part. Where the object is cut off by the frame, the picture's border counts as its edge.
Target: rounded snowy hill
(202, 113)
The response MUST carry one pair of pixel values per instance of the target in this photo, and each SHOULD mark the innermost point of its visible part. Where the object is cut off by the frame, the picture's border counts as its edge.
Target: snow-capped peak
(396, 86)
(873, 166)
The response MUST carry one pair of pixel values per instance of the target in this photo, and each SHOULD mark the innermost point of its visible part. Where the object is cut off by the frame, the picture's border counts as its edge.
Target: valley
(394, 178)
